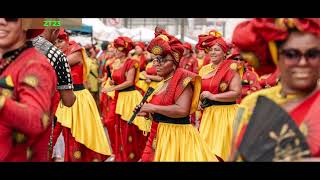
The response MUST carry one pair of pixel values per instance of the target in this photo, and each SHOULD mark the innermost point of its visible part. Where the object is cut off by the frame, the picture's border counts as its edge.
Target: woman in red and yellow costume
(84, 136)
(139, 55)
(295, 46)
(221, 86)
(249, 78)
(129, 140)
(188, 61)
(172, 137)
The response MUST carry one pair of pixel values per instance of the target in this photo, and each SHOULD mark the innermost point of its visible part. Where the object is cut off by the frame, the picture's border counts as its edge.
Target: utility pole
(182, 29)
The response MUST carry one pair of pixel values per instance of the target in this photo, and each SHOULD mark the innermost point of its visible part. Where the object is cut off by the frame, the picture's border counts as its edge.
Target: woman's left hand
(206, 94)
(148, 108)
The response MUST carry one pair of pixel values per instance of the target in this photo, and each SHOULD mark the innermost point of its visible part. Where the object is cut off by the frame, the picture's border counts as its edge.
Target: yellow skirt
(181, 142)
(126, 103)
(84, 122)
(216, 128)
(144, 86)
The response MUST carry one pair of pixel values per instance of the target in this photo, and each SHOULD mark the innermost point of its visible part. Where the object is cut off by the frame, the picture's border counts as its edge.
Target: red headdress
(165, 44)
(124, 44)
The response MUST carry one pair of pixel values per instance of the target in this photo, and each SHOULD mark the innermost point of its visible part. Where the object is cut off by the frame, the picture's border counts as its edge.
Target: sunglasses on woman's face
(160, 60)
(294, 56)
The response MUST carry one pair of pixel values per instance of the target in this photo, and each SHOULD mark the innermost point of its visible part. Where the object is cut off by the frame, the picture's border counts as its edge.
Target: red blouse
(220, 82)
(119, 74)
(27, 111)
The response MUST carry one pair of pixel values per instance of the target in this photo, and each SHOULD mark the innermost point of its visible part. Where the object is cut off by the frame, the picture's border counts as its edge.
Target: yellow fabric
(126, 103)
(91, 79)
(196, 82)
(216, 128)
(84, 122)
(206, 70)
(200, 63)
(248, 103)
(273, 51)
(181, 142)
(107, 85)
(86, 64)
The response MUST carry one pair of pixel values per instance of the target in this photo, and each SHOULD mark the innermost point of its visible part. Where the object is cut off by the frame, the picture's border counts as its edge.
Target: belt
(207, 103)
(78, 87)
(131, 88)
(166, 119)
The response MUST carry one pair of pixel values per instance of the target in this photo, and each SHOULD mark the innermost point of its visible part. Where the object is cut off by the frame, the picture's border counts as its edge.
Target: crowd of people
(64, 102)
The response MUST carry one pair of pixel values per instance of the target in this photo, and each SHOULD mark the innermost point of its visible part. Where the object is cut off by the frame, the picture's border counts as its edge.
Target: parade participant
(200, 57)
(221, 86)
(188, 61)
(296, 49)
(26, 99)
(172, 137)
(249, 78)
(139, 55)
(129, 139)
(84, 136)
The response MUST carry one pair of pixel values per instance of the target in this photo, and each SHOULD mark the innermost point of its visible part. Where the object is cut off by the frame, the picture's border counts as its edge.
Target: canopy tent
(83, 29)
(187, 39)
(100, 31)
(142, 34)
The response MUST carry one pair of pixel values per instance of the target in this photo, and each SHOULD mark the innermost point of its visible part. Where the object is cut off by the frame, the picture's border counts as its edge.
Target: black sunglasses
(295, 55)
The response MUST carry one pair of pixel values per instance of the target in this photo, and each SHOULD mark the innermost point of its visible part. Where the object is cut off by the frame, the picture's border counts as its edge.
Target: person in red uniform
(188, 61)
(84, 136)
(129, 139)
(221, 86)
(26, 99)
(139, 55)
(249, 79)
(172, 137)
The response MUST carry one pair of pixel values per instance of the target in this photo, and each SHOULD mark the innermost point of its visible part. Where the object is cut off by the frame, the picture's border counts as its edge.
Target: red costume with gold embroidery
(189, 63)
(124, 146)
(74, 150)
(26, 109)
(268, 31)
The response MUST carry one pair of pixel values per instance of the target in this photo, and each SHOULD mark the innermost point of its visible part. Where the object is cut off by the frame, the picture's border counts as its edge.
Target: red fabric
(235, 51)
(253, 86)
(189, 63)
(32, 33)
(63, 35)
(124, 44)
(118, 75)
(164, 44)
(72, 146)
(121, 130)
(25, 109)
(76, 70)
(140, 44)
(222, 43)
(224, 74)
(270, 81)
(151, 70)
(254, 35)
(187, 45)
(205, 42)
(207, 60)
(109, 120)
(308, 112)
(142, 62)
(168, 97)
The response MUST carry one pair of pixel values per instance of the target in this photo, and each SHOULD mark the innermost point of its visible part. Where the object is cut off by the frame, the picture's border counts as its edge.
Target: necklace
(10, 56)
